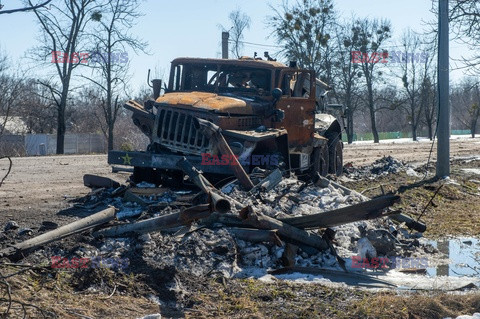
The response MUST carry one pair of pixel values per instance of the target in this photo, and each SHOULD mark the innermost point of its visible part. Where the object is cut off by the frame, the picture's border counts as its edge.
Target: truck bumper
(163, 161)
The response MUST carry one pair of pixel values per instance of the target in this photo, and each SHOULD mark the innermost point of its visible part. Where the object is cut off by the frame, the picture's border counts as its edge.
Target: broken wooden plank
(181, 218)
(365, 210)
(16, 251)
(95, 181)
(294, 234)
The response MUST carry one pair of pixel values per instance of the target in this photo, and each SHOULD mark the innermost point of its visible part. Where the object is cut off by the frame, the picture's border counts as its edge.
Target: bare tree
(371, 35)
(37, 108)
(466, 99)
(32, 7)
(110, 59)
(415, 65)
(10, 92)
(304, 30)
(240, 22)
(63, 30)
(346, 72)
(464, 19)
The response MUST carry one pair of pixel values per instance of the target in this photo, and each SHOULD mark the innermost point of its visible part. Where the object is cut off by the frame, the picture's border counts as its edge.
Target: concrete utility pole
(443, 145)
(225, 36)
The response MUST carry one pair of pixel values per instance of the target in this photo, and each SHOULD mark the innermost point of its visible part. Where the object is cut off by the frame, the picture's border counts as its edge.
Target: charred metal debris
(262, 220)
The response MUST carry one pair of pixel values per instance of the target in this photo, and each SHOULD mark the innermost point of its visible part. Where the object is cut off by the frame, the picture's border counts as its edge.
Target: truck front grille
(176, 131)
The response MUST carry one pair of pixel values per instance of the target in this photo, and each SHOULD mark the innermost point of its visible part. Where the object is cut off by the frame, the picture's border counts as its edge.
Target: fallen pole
(361, 211)
(294, 234)
(182, 218)
(16, 251)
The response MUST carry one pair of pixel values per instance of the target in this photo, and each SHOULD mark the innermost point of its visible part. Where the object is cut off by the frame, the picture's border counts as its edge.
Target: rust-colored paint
(299, 118)
(247, 62)
(207, 101)
(298, 121)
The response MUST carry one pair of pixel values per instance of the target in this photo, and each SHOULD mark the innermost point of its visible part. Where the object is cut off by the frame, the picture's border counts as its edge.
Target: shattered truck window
(224, 79)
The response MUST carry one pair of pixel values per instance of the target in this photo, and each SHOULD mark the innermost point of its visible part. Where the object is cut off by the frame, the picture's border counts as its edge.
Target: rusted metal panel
(254, 136)
(143, 119)
(245, 62)
(298, 105)
(207, 101)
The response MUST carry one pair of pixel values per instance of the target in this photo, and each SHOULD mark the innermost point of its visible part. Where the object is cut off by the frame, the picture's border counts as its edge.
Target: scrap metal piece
(256, 235)
(219, 202)
(269, 182)
(16, 251)
(213, 132)
(184, 217)
(95, 181)
(294, 234)
(361, 211)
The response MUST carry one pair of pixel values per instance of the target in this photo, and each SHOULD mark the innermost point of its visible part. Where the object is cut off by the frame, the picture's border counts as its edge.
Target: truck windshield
(221, 78)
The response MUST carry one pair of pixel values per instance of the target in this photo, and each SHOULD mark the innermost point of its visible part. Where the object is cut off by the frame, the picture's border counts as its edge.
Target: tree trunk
(348, 99)
(61, 127)
(350, 127)
(430, 130)
(371, 107)
(110, 136)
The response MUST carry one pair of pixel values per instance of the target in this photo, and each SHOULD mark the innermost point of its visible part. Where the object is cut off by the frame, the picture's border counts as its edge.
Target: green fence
(395, 135)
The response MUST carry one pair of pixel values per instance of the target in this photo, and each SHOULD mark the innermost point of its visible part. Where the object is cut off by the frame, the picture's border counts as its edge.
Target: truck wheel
(336, 155)
(320, 160)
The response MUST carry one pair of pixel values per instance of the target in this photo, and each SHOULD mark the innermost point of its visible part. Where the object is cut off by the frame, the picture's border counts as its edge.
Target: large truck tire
(335, 149)
(320, 160)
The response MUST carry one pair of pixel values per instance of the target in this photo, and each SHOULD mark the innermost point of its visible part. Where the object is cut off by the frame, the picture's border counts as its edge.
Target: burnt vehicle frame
(262, 107)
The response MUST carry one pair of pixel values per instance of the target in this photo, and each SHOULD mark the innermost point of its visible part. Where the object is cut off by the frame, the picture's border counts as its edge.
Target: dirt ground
(364, 153)
(40, 189)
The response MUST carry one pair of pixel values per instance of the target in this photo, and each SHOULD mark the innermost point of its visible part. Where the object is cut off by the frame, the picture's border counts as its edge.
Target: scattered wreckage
(271, 212)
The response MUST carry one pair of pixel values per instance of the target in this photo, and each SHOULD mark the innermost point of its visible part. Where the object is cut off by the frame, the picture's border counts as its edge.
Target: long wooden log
(285, 230)
(16, 251)
(184, 217)
(362, 211)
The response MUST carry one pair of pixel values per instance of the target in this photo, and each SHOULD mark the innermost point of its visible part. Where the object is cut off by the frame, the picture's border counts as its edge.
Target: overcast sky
(191, 28)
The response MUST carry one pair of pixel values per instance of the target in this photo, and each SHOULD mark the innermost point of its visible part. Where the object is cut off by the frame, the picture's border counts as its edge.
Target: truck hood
(225, 103)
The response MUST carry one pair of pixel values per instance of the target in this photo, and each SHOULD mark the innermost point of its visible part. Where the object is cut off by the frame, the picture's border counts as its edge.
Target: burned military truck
(269, 114)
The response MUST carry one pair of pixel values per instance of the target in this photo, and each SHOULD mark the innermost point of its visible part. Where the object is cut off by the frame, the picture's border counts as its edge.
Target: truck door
(298, 103)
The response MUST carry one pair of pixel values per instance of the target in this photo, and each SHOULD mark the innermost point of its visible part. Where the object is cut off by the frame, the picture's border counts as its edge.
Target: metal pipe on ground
(293, 234)
(219, 202)
(16, 251)
(182, 218)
